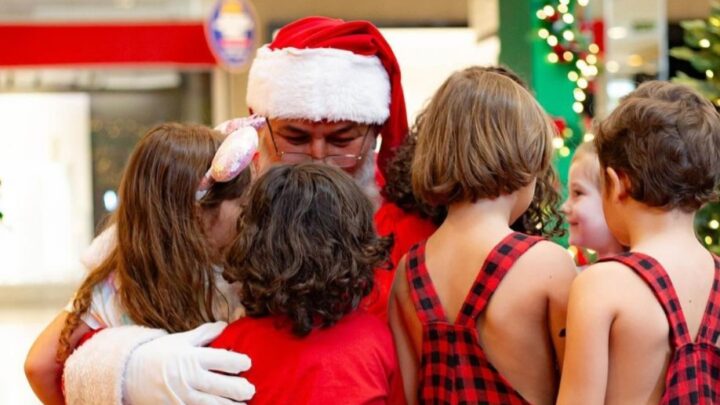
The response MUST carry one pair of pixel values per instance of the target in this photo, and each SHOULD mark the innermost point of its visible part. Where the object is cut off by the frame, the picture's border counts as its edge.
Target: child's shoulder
(607, 271)
(545, 271)
(609, 284)
(547, 249)
(546, 257)
(604, 274)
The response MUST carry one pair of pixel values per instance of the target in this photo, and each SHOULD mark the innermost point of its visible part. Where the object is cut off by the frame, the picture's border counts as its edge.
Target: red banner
(170, 43)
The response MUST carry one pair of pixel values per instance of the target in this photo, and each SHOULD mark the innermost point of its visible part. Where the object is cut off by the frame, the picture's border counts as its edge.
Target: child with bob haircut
(484, 144)
(305, 257)
(583, 206)
(643, 326)
(163, 264)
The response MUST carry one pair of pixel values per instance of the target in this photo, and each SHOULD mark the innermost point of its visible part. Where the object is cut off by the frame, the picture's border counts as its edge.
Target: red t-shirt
(351, 362)
(408, 229)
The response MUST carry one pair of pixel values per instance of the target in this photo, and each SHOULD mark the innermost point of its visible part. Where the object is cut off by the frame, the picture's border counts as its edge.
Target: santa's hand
(175, 369)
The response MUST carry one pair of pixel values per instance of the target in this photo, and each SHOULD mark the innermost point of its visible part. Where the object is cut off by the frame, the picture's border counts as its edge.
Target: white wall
(45, 167)
(427, 56)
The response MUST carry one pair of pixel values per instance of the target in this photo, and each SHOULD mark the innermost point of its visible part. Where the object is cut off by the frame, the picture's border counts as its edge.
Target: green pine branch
(702, 51)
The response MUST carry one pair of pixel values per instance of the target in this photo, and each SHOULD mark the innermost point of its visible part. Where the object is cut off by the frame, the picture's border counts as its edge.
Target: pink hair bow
(234, 154)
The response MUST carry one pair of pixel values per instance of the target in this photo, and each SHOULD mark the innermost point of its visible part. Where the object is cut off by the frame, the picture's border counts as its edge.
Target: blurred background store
(70, 112)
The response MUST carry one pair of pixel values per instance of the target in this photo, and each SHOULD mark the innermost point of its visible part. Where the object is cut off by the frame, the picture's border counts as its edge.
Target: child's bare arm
(590, 316)
(42, 370)
(561, 273)
(549, 270)
(407, 332)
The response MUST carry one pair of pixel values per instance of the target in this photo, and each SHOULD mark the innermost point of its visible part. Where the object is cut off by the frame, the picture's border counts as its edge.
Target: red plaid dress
(454, 369)
(693, 375)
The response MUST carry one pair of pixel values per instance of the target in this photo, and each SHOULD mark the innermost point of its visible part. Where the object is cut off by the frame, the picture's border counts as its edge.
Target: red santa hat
(319, 68)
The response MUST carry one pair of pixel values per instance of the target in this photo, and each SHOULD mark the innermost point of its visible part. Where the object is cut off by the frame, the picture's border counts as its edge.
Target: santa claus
(328, 91)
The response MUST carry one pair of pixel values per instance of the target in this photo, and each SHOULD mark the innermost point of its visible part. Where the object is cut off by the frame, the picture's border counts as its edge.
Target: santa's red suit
(407, 229)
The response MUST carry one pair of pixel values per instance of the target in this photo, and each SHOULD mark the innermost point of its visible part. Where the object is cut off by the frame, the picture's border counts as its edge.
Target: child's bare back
(632, 318)
(513, 330)
(638, 331)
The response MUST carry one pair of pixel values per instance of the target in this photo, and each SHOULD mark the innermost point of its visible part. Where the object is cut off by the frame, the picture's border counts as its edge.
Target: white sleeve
(94, 373)
(142, 366)
(100, 248)
(105, 308)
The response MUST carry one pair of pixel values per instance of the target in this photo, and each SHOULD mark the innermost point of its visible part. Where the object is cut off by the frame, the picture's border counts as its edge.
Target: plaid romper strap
(693, 374)
(710, 326)
(659, 282)
(428, 306)
(454, 369)
(497, 265)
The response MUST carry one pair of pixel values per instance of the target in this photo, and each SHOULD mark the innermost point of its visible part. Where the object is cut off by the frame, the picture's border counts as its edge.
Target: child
(410, 220)
(305, 257)
(641, 328)
(162, 270)
(485, 144)
(583, 206)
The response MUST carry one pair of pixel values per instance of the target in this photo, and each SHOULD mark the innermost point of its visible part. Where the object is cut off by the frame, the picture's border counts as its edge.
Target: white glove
(175, 369)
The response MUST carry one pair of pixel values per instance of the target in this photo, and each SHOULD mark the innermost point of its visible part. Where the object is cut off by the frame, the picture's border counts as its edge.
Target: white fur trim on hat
(319, 84)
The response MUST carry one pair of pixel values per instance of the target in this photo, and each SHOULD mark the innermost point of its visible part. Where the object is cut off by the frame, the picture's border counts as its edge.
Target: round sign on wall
(231, 32)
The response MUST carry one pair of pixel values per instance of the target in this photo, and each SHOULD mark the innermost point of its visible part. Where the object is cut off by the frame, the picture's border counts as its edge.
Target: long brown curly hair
(307, 246)
(162, 258)
(543, 217)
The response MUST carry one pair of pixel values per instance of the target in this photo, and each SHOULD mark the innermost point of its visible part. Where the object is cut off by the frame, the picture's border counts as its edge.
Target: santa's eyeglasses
(339, 160)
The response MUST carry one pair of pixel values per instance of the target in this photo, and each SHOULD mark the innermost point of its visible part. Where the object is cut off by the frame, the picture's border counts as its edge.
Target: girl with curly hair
(305, 257)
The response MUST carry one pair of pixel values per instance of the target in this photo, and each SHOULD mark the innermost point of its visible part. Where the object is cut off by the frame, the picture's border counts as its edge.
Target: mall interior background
(65, 131)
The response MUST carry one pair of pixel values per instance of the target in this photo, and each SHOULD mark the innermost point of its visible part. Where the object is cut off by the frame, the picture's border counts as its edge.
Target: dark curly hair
(543, 216)
(307, 246)
(398, 184)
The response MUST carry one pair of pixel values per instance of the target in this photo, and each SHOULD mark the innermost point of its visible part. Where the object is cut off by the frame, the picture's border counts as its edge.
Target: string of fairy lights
(559, 29)
(567, 45)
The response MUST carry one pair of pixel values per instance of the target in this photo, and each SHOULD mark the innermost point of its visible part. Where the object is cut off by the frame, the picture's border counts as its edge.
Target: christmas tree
(702, 50)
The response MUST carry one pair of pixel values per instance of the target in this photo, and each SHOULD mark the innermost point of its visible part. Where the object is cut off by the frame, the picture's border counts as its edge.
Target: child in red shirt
(305, 257)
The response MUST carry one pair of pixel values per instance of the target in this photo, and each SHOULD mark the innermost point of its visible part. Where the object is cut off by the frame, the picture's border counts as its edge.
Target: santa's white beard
(365, 177)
